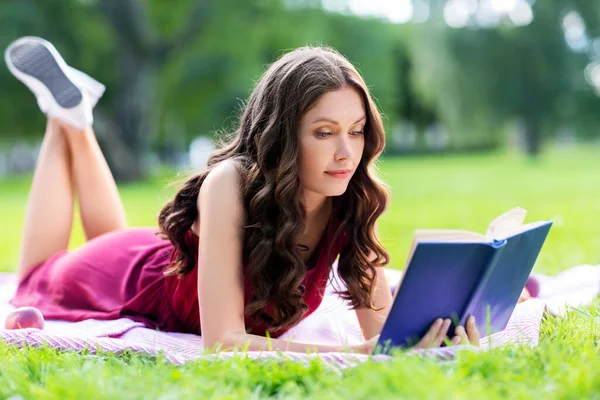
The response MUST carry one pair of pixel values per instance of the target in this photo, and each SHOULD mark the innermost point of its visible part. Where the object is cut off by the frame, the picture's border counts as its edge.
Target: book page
(442, 235)
(448, 235)
(506, 224)
(522, 228)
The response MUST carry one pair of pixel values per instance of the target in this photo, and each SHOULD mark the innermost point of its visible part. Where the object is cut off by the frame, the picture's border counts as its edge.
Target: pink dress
(120, 274)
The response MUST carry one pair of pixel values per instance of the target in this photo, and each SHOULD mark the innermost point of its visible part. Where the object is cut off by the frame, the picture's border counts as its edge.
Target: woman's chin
(329, 190)
(336, 191)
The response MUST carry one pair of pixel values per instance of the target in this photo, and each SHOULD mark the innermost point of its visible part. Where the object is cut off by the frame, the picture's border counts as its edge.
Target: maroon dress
(120, 274)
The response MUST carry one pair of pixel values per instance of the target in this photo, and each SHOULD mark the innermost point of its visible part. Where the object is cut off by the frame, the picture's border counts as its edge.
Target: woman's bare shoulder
(221, 190)
(226, 173)
(220, 194)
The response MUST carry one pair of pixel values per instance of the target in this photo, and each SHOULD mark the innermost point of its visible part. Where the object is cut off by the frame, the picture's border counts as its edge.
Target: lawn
(431, 192)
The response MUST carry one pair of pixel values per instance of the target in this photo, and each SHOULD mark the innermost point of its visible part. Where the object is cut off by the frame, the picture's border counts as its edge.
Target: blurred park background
(488, 104)
(449, 75)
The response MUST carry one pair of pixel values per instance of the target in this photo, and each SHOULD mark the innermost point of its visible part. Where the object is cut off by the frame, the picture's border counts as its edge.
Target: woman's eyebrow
(324, 119)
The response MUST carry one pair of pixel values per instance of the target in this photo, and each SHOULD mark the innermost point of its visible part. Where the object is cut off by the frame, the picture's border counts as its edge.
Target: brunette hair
(265, 148)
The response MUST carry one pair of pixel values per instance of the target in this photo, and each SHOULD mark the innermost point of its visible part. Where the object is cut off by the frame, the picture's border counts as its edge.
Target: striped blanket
(332, 323)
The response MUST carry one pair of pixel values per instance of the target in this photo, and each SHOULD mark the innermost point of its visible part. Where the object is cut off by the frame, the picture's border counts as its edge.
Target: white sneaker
(92, 87)
(62, 92)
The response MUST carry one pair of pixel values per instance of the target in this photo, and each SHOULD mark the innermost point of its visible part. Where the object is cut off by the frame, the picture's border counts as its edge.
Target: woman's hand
(439, 330)
(434, 337)
(470, 335)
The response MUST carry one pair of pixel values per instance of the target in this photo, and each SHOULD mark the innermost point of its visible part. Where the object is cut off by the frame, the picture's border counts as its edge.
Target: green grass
(444, 192)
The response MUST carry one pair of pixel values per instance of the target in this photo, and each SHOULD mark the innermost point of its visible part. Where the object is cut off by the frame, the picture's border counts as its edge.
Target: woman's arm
(371, 321)
(220, 275)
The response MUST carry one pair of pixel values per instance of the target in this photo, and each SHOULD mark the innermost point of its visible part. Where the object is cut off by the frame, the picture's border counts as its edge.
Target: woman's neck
(316, 208)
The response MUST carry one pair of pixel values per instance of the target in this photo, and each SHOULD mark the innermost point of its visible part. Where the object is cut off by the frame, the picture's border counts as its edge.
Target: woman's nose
(344, 150)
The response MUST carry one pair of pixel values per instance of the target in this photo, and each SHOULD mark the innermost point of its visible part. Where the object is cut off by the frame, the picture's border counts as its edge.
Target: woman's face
(331, 139)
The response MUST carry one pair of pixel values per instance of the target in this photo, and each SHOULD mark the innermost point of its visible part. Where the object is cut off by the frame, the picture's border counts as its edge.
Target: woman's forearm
(250, 342)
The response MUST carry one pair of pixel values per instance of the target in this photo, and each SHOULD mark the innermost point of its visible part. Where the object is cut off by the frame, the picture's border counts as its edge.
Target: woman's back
(318, 270)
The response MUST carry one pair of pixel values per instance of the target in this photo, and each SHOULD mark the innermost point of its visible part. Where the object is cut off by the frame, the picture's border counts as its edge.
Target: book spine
(491, 265)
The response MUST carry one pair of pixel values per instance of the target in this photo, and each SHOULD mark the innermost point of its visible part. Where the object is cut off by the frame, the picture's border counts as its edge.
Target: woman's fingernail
(456, 339)
(472, 320)
(438, 322)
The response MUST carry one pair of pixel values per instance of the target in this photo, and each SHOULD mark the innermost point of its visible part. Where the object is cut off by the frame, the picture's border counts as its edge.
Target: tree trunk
(129, 128)
(531, 136)
(135, 108)
(127, 131)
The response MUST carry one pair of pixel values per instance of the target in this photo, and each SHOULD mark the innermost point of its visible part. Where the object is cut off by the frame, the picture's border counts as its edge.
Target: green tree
(478, 79)
(177, 70)
(121, 46)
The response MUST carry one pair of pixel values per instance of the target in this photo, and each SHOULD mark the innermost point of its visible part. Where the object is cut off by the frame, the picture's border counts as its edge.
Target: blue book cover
(455, 274)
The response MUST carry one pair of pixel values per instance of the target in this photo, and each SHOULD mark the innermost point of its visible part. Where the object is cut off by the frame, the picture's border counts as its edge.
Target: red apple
(24, 317)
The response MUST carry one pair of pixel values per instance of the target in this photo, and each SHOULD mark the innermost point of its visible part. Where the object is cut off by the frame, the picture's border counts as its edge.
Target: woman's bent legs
(70, 161)
(49, 213)
(100, 205)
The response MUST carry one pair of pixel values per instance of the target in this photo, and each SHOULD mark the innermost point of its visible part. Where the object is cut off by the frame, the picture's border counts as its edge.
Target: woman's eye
(356, 133)
(323, 134)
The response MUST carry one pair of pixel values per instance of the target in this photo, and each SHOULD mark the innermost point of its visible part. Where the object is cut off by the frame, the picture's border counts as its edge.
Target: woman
(245, 248)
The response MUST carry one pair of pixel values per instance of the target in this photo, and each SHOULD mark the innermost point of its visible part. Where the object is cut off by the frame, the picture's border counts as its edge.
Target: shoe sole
(37, 61)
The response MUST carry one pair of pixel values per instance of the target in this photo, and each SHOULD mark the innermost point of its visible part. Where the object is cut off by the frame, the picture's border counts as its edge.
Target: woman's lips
(341, 174)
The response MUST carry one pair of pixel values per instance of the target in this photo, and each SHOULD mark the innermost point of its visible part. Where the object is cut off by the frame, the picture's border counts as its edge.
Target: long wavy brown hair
(265, 148)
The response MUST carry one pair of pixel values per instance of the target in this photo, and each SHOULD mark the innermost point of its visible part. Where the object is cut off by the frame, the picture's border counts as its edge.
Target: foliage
(451, 192)
(176, 70)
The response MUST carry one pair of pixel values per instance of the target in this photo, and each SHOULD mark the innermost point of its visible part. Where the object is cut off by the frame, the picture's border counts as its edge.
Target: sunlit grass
(443, 192)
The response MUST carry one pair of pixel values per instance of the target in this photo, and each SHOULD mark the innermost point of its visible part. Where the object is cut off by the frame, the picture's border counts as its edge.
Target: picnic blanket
(331, 323)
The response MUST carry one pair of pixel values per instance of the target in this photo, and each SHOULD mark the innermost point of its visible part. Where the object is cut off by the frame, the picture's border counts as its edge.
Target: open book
(455, 274)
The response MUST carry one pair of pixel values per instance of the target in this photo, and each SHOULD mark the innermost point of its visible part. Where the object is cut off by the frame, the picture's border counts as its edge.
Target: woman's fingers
(439, 329)
(436, 334)
(439, 339)
(470, 335)
(472, 331)
(431, 334)
(461, 336)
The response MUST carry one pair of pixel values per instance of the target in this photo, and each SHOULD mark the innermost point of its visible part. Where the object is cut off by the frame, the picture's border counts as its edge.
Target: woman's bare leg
(49, 213)
(100, 205)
